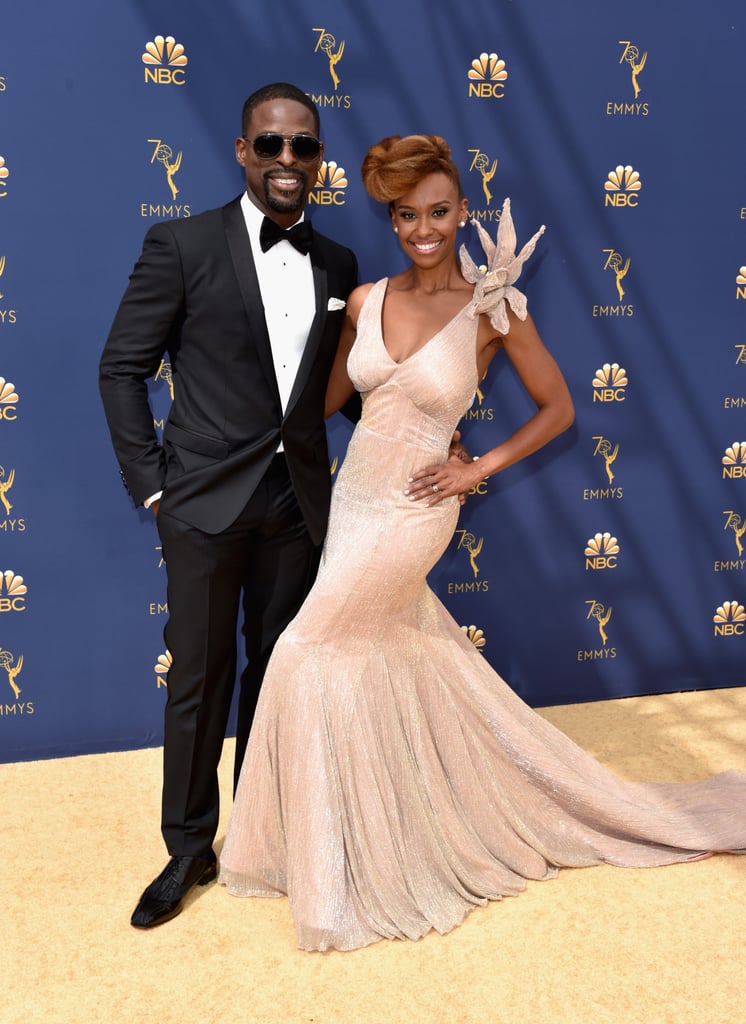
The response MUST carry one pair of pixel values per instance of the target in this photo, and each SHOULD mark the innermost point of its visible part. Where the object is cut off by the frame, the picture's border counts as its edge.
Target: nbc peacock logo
(729, 619)
(13, 591)
(164, 61)
(331, 182)
(161, 667)
(601, 552)
(740, 282)
(610, 383)
(476, 635)
(734, 461)
(487, 76)
(4, 175)
(8, 400)
(622, 186)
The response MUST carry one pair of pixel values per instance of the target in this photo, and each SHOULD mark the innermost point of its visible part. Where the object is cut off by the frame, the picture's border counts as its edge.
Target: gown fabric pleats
(392, 779)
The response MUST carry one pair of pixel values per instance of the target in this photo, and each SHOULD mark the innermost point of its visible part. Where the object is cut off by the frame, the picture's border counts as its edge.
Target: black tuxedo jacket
(194, 298)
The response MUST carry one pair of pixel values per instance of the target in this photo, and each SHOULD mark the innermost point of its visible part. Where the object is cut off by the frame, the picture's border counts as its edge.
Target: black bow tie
(300, 235)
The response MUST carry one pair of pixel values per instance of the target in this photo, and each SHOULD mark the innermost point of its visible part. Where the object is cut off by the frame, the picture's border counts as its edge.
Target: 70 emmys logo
(326, 43)
(615, 262)
(164, 61)
(473, 547)
(631, 55)
(487, 76)
(481, 163)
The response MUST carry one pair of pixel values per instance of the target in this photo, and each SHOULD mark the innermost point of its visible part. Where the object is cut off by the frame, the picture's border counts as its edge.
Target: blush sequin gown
(393, 780)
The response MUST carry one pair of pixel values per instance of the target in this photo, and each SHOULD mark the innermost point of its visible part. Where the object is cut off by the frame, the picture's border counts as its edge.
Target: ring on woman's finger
(435, 488)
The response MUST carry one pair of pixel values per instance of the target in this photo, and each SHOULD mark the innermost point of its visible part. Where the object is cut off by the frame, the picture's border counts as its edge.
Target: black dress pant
(262, 566)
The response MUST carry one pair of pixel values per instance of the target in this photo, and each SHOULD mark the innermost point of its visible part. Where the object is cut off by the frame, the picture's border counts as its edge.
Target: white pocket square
(336, 304)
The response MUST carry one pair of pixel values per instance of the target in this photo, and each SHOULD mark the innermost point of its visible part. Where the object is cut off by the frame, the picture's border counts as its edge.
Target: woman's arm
(340, 388)
(544, 382)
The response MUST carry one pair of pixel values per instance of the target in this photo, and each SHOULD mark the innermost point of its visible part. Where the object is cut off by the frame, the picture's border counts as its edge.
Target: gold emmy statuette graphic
(609, 454)
(615, 262)
(327, 43)
(164, 373)
(5, 486)
(163, 154)
(11, 670)
(601, 615)
(473, 546)
(4, 173)
(476, 636)
(481, 163)
(2, 270)
(631, 55)
(733, 522)
(334, 465)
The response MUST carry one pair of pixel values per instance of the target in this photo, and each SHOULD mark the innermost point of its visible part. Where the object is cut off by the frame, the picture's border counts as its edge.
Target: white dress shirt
(286, 283)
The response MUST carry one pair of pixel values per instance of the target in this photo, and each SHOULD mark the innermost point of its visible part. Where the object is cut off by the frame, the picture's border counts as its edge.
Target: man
(241, 485)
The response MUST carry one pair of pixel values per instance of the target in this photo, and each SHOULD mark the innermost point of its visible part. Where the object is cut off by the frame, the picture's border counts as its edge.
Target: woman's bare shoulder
(356, 299)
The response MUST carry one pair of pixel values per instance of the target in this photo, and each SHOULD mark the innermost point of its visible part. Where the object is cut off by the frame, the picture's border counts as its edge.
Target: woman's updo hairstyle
(396, 164)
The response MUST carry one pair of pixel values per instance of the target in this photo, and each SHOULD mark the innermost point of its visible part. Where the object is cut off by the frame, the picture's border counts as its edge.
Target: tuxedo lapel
(248, 283)
(321, 296)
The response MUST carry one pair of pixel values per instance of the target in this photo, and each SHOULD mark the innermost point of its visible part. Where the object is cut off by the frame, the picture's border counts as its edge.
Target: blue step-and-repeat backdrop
(612, 563)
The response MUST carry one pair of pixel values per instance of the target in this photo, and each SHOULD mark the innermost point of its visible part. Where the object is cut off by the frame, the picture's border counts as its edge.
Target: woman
(392, 779)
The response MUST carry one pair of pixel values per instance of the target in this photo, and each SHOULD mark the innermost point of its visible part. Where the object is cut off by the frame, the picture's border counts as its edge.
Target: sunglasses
(270, 145)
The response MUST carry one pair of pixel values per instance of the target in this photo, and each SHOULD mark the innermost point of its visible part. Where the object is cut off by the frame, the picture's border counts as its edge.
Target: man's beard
(279, 205)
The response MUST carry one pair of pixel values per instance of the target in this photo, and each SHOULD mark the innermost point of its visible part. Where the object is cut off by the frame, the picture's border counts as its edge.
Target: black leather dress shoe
(163, 898)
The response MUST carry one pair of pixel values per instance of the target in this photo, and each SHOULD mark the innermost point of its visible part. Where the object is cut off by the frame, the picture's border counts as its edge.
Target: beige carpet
(595, 946)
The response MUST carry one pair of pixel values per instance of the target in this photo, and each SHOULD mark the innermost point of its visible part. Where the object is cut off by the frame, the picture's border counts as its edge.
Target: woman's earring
(396, 230)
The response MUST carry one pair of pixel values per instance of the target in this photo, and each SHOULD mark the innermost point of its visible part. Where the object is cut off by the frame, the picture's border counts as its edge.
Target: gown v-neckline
(430, 340)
